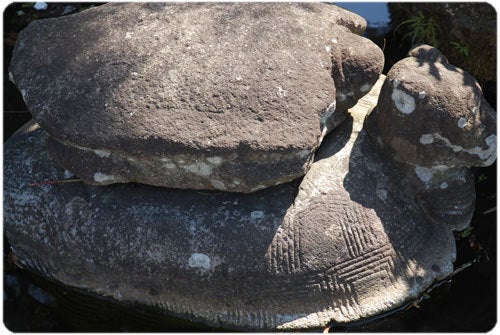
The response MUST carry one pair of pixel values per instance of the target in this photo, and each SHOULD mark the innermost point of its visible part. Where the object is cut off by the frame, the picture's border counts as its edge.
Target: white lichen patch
(218, 184)
(382, 194)
(365, 88)
(103, 178)
(421, 94)
(216, 160)
(303, 153)
(200, 261)
(454, 147)
(257, 214)
(426, 138)
(68, 174)
(341, 96)
(167, 163)
(281, 92)
(102, 153)
(462, 122)
(489, 154)
(258, 187)
(404, 102)
(199, 168)
(424, 174)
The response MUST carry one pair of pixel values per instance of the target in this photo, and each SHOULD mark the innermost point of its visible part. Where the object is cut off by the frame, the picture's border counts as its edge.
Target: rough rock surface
(458, 131)
(234, 97)
(344, 244)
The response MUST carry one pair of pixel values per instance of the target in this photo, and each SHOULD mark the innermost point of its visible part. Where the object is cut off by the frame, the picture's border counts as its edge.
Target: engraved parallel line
(360, 227)
(373, 261)
(338, 299)
(353, 220)
(390, 271)
(368, 229)
(353, 304)
(292, 246)
(273, 257)
(362, 275)
(285, 251)
(348, 228)
(345, 235)
(298, 260)
(366, 236)
(375, 267)
(344, 307)
(350, 262)
(349, 223)
(279, 252)
(357, 238)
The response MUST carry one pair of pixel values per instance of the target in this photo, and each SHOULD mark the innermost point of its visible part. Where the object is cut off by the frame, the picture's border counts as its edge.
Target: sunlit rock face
(233, 97)
(343, 244)
(432, 117)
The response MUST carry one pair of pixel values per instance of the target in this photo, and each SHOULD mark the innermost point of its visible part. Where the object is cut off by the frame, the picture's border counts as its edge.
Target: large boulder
(235, 97)
(345, 244)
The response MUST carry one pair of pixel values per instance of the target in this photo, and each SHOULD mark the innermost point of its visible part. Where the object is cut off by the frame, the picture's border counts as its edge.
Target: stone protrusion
(433, 119)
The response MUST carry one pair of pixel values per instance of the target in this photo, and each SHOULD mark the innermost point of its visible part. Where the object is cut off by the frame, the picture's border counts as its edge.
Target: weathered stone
(432, 117)
(345, 244)
(234, 97)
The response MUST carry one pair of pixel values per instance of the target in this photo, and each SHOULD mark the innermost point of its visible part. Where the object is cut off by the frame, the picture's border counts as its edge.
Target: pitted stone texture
(344, 245)
(432, 117)
(431, 113)
(231, 96)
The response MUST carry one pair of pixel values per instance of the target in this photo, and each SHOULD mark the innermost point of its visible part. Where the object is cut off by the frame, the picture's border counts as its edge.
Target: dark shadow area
(335, 140)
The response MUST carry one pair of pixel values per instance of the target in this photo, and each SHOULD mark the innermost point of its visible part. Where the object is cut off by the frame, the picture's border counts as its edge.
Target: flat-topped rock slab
(234, 97)
(343, 244)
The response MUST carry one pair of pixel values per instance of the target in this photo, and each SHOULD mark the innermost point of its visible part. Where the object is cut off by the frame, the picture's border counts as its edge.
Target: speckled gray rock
(344, 244)
(432, 117)
(233, 96)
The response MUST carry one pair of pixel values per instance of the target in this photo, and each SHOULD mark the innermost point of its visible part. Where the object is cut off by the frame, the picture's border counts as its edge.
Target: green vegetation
(466, 232)
(463, 49)
(421, 30)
